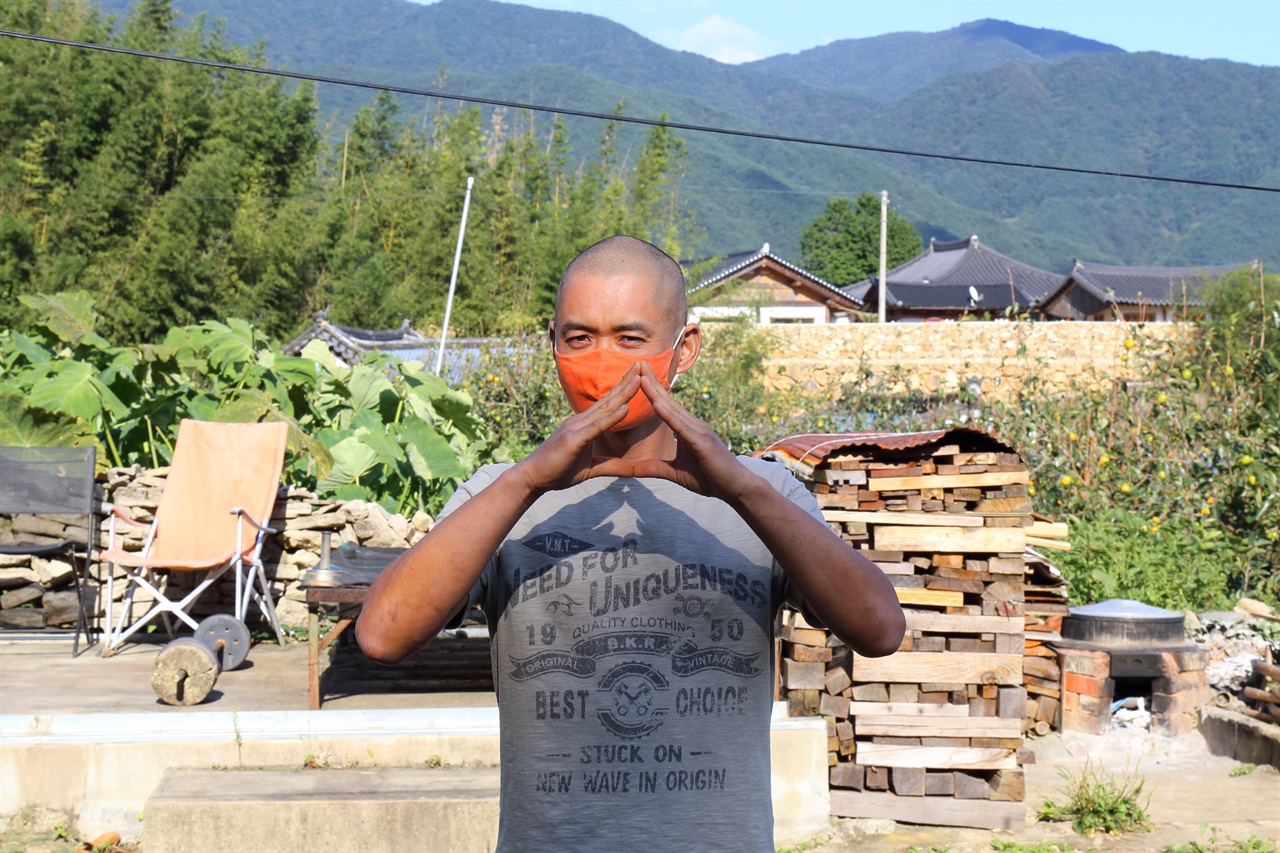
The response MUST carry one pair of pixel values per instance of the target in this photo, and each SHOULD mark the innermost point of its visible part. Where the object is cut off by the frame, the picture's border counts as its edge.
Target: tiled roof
(461, 355)
(1159, 286)
(731, 265)
(942, 276)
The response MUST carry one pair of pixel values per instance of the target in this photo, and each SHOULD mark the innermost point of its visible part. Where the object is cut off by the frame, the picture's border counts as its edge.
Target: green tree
(842, 245)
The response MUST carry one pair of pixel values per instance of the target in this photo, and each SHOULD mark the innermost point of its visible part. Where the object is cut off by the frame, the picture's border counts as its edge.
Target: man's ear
(690, 346)
(551, 332)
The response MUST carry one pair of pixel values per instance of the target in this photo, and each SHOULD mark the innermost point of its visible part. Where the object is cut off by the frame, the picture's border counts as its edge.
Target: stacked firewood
(1045, 591)
(1265, 700)
(932, 734)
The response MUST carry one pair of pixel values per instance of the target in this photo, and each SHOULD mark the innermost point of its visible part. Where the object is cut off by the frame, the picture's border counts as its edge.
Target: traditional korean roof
(733, 266)
(947, 276)
(350, 345)
(1091, 288)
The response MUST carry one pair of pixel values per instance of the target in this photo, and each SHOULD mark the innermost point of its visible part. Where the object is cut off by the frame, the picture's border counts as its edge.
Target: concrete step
(336, 810)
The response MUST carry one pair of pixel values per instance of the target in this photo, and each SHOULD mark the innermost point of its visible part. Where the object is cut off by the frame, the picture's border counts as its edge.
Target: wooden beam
(936, 757)
(936, 519)
(931, 597)
(1048, 529)
(951, 540)
(959, 623)
(907, 709)
(938, 726)
(928, 811)
(940, 667)
(948, 481)
(1051, 544)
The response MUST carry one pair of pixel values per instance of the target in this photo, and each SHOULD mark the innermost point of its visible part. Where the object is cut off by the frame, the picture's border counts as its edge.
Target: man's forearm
(848, 592)
(417, 594)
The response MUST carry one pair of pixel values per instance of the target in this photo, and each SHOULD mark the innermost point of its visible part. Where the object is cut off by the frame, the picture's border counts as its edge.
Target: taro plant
(385, 430)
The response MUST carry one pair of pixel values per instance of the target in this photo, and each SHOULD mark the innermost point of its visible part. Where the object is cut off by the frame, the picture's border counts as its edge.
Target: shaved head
(623, 255)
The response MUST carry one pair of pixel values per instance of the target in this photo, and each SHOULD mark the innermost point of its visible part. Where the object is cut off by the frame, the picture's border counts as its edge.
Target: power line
(674, 125)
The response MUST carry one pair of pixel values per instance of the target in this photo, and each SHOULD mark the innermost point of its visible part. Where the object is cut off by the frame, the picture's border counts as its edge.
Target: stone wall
(36, 592)
(996, 357)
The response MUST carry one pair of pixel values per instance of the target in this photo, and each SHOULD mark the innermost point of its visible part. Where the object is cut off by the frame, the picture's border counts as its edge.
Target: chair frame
(70, 547)
(246, 572)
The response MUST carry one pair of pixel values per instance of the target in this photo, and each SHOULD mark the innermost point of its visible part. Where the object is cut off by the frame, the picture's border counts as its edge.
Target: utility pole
(453, 278)
(884, 248)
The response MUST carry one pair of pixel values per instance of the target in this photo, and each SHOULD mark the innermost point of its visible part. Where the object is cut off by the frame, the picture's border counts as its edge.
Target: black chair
(52, 481)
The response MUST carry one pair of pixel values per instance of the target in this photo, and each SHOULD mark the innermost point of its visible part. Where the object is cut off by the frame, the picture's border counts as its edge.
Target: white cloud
(723, 39)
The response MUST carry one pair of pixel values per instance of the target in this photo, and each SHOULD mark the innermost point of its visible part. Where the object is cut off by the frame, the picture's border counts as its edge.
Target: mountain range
(988, 89)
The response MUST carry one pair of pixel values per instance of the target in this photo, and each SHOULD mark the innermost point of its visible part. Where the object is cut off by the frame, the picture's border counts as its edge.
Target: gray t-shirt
(631, 625)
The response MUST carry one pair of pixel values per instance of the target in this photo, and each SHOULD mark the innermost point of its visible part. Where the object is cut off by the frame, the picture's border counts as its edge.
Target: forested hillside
(986, 89)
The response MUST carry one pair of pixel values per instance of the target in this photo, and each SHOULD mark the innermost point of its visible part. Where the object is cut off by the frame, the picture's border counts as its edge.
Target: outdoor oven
(1123, 648)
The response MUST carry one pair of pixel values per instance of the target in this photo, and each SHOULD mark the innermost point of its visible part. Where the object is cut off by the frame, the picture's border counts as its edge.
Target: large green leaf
(352, 459)
(367, 385)
(430, 454)
(19, 426)
(390, 453)
(68, 315)
(229, 345)
(318, 352)
(34, 353)
(72, 388)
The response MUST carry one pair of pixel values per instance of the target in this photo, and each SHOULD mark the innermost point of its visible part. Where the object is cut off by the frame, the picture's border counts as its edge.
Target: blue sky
(742, 30)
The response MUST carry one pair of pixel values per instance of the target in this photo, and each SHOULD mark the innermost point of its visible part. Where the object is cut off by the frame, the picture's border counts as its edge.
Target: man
(630, 569)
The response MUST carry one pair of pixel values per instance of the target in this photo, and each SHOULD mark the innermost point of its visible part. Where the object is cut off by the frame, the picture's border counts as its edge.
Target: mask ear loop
(674, 349)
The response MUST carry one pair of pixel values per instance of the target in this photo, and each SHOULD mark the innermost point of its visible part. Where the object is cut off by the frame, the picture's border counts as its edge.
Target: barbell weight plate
(231, 633)
(184, 673)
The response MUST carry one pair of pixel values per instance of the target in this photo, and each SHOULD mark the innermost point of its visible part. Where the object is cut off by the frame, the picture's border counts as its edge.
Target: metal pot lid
(1126, 609)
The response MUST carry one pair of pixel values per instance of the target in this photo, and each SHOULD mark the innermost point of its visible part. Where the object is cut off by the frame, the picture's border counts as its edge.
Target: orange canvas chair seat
(212, 517)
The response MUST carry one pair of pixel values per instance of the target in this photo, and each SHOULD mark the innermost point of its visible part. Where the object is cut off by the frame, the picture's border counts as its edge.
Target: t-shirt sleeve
(483, 478)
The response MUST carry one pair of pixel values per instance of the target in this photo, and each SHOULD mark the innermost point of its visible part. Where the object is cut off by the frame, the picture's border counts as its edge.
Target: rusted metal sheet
(810, 449)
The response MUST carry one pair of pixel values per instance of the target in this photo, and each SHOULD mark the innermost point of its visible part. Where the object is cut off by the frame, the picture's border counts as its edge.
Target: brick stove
(1123, 648)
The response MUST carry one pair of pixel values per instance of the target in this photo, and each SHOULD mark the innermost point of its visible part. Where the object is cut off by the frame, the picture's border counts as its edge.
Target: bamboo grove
(176, 194)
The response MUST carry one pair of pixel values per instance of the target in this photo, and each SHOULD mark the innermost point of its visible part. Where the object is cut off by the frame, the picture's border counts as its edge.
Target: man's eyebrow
(567, 326)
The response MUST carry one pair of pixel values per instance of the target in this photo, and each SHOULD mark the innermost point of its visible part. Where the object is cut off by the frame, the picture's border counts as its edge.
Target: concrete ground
(1193, 796)
(273, 678)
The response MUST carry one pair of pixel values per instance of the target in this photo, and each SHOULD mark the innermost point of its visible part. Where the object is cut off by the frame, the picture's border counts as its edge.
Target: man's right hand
(565, 458)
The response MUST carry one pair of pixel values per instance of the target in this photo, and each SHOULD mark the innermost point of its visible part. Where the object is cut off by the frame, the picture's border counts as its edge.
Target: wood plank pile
(1264, 700)
(1045, 591)
(933, 733)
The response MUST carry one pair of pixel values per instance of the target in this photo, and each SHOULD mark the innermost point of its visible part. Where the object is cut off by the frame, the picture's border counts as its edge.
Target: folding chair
(51, 481)
(212, 518)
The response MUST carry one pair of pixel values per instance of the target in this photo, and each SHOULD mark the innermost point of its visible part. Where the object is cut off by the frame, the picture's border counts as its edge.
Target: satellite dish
(974, 294)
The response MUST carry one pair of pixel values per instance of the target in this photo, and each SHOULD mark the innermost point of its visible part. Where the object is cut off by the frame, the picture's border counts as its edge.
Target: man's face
(620, 312)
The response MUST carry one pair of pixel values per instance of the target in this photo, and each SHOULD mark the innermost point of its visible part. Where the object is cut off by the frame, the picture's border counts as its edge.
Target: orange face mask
(589, 375)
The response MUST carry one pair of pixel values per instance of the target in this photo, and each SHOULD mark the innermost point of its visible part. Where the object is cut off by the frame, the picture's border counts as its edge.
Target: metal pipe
(884, 245)
(453, 278)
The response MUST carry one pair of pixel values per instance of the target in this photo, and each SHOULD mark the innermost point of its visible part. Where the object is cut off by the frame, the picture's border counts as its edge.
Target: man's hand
(702, 463)
(565, 458)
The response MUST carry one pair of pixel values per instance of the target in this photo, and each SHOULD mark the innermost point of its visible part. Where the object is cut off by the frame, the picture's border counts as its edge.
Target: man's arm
(418, 593)
(848, 592)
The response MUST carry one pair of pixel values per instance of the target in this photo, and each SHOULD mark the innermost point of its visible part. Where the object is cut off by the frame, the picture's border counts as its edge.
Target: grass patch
(1099, 802)
(1223, 844)
(1038, 847)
